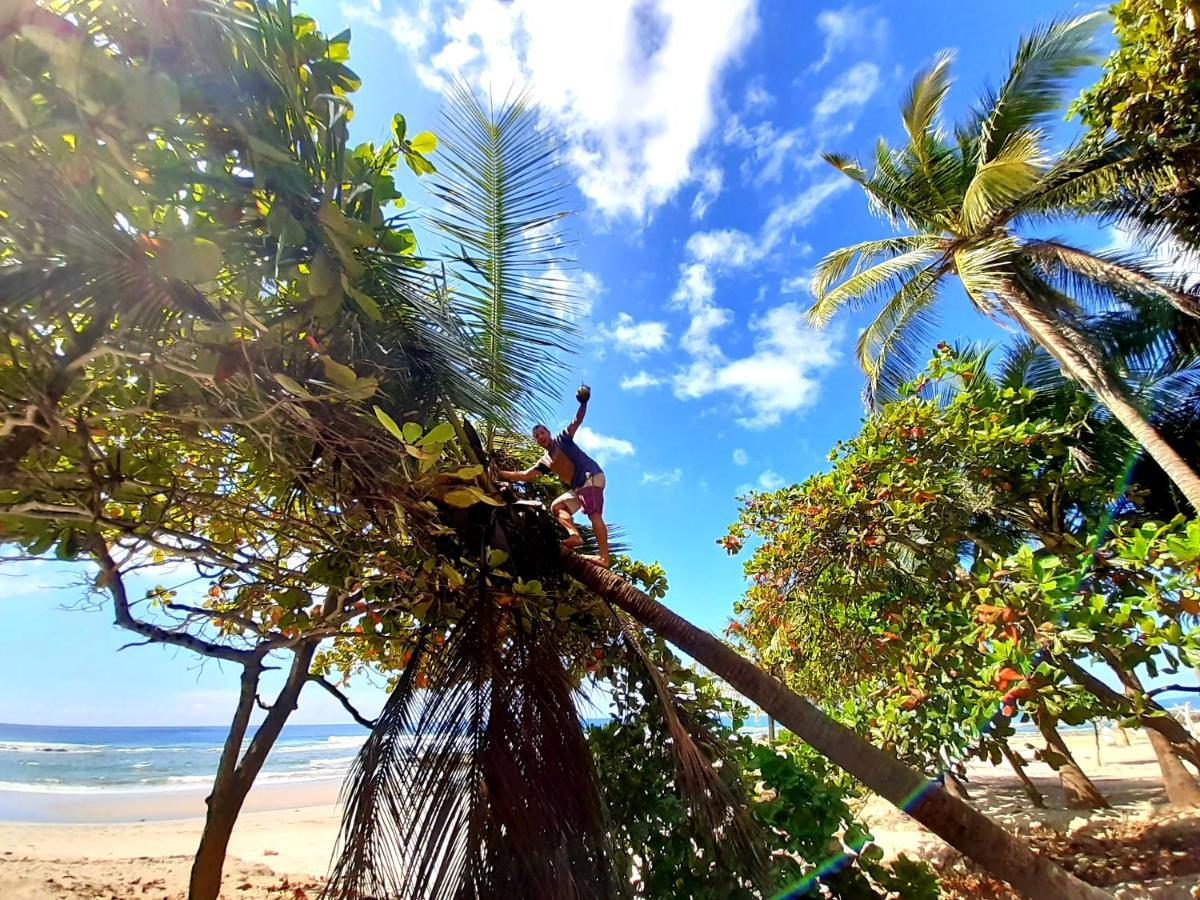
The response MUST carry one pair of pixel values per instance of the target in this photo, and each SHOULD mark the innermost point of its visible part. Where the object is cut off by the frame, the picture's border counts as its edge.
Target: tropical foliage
(224, 357)
(1148, 95)
(796, 807)
(957, 569)
(967, 199)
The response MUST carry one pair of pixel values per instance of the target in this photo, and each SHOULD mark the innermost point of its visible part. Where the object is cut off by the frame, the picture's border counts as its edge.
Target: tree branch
(110, 577)
(1180, 688)
(362, 720)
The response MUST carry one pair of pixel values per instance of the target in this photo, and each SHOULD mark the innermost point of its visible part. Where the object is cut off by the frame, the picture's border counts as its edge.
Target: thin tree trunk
(227, 795)
(1080, 792)
(1182, 789)
(965, 829)
(235, 777)
(1123, 736)
(1155, 716)
(1031, 791)
(1081, 363)
(770, 729)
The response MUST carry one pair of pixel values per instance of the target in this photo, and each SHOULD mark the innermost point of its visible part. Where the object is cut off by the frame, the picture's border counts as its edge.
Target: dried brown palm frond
(719, 808)
(477, 780)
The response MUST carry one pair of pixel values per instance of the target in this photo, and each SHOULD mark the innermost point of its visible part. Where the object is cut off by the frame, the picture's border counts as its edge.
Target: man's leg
(601, 531)
(564, 510)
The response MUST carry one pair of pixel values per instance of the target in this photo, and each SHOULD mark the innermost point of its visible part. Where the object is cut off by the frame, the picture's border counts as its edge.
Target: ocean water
(87, 760)
(72, 760)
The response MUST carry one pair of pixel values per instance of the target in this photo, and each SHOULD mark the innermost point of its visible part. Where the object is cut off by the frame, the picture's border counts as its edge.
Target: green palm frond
(897, 342)
(1011, 174)
(924, 100)
(986, 270)
(1027, 364)
(873, 284)
(1045, 61)
(500, 190)
(834, 266)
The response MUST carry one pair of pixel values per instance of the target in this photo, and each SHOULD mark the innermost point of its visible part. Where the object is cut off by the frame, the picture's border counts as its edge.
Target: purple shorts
(589, 497)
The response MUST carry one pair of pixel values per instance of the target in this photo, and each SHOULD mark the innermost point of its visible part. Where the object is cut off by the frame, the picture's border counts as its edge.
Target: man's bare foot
(573, 541)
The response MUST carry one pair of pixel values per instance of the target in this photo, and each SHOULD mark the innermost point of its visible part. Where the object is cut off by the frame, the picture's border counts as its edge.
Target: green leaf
(389, 423)
(1078, 635)
(469, 472)
(461, 497)
(468, 496)
(369, 307)
(291, 386)
(425, 142)
(412, 432)
(456, 580)
(196, 260)
(150, 98)
(284, 226)
(322, 279)
(439, 434)
(496, 558)
(399, 127)
(339, 47)
(342, 376)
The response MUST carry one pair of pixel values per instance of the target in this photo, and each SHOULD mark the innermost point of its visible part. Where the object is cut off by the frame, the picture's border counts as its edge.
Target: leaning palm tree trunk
(970, 832)
(1081, 363)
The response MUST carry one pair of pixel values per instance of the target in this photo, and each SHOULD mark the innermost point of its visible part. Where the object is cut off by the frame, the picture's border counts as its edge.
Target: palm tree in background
(965, 199)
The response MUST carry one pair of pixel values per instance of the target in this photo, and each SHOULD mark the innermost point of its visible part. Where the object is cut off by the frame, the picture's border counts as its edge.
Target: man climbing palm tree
(582, 475)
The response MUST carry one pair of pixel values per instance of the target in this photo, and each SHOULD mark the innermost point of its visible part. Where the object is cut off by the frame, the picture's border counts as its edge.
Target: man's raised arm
(582, 395)
(528, 475)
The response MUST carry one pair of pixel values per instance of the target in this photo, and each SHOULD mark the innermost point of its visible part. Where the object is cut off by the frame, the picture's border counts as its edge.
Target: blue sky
(691, 132)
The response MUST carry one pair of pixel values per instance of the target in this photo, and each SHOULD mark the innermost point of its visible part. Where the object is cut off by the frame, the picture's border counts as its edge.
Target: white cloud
(771, 481)
(757, 96)
(694, 293)
(587, 287)
(796, 284)
(733, 249)
(640, 381)
(850, 28)
(711, 179)
(740, 457)
(800, 210)
(780, 375)
(602, 447)
(411, 30)
(850, 91)
(631, 84)
(665, 479)
(637, 338)
(727, 247)
(774, 152)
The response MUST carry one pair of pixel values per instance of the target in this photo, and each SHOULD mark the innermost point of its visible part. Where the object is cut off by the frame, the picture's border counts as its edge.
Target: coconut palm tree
(966, 199)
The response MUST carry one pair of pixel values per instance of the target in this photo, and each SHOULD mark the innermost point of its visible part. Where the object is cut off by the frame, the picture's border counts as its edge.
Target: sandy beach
(282, 843)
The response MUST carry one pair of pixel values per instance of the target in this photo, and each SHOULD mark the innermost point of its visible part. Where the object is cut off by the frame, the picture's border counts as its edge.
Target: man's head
(541, 434)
